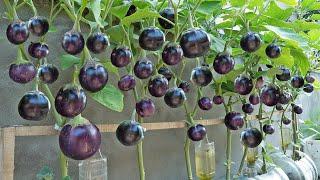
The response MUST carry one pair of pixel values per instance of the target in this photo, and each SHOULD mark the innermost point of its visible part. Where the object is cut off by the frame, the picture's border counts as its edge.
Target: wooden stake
(8, 146)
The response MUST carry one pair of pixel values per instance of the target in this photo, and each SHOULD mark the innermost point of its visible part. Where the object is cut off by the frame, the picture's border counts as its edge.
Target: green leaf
(316, 84)
(237, 3)
(273, 71)
(270, 72)
(46, 173)
(301, 61)
(217, 44)
(231, 76)
(307, 3)
(67, 60)
(227, 87)
(302, 25)
(209, 7)
(109, 97)
(285, 59)
(289, 36)
(120, 11)
(139, 15)
(115, 33)
(52, 28)
(67, 178)
(256, 3)
(278, 13)
(289, 2)
(315, 16)
(145, 3)
(96, 10)
(110, 67)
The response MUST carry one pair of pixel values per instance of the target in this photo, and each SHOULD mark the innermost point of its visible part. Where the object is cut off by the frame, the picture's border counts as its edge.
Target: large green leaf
(314, 38)
(285, 59)
(96, 10)
(301, 61)
(276, 12)
(67, 60)
(209, 7)
(139, 15)
(120, 11)
(289, 36)
(302, 25)
(110, 97)
(115, 33)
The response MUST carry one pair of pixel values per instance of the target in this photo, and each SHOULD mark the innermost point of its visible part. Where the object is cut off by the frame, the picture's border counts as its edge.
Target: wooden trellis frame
(8, 135)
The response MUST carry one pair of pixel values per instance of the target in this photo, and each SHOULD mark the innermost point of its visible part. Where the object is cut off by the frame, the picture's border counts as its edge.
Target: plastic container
(287, 136)
(205, 160)
(94, 168)
(252, 156)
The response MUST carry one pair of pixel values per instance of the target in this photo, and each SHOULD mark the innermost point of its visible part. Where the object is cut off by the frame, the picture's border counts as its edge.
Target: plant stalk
(140, 160)
(60, 122)
(245, 152)
(263, 151)
(228, 154)
(140, 145)
(187, 157)
(295, 136)
(63, 165)
(281, 134)
(281, 130)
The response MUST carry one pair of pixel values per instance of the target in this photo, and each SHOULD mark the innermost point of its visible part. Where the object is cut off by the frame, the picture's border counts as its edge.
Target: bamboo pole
(49, 130)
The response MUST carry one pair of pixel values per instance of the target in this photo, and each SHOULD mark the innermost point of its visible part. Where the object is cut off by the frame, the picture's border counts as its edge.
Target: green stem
(263, 151)
(295, 136)
(190, 20)
(63, 165)
(187, 157)
(272, 112)
(228, 108)
(20, 58)
(140, 155)
(228, 154)
(199, 93)
(34, 9)
(282, 140)
(107, 9)
(23, 52)
(245, 152)
(60, 122)
(191, 12)
(126, 36)
(281, 130)
(176, 27)
(139, 146)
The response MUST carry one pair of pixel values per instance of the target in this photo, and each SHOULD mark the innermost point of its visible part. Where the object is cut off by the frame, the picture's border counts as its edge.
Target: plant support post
(228, 154)
(187, 157)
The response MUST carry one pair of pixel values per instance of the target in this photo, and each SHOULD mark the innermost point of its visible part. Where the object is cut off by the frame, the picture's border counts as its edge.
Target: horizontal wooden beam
(49, 130)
